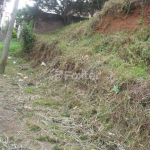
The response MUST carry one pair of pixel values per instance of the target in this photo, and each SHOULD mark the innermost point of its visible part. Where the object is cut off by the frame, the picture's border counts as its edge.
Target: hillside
(123, 16)
(87, 85)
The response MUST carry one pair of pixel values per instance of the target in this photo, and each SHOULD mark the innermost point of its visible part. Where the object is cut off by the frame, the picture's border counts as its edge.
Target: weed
(54, 127)
(11, 138)
(33, 127)
(74, 103)
(56, 147)
(30, 90)
(62, 47)
(45, 102)
(2, 138)
(47, 139)
(1, 145)
(66, 114)
(29, 114)
(98, 48)
(108, 113)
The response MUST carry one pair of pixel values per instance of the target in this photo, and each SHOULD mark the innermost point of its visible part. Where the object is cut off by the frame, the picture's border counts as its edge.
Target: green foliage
(126, 6)
(33, 127)
(44, 102)
(30, 90)
(11, 138)
(47, 139)
(28, 38)
(14, 46)
(31, 23)
(14, 34)
(69, 8)
(56, 147)
(74, 103)
(26, 14)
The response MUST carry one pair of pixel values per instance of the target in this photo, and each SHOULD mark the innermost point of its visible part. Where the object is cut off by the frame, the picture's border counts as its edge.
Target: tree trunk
(8, 38)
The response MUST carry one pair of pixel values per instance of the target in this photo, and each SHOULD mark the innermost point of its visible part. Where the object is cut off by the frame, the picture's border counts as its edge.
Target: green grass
(93, 113)
(119, 59)
(11, 138)
(47, 139)
(33, 127)
(56, 147)
(31, 90)
(108, 113)
(15, 46)
(46, 102)
(127, 61)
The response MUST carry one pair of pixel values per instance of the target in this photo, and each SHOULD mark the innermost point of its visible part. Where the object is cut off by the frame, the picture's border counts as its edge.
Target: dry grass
(95, 115)
(110, 112)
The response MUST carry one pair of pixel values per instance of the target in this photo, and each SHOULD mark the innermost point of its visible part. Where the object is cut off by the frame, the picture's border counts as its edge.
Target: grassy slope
(111, 112)
(14, 46)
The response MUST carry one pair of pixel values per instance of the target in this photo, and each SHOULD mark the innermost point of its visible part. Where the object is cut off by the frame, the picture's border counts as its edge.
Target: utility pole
(8, 38)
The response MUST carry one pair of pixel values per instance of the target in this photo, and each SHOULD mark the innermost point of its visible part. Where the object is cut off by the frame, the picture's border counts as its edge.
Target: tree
(94, 5)
(65, 8)
(8, 38)
(69, 8)
(26, 14)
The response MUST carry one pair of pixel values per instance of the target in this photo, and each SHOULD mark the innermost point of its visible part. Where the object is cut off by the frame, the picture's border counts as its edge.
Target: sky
(22, 4)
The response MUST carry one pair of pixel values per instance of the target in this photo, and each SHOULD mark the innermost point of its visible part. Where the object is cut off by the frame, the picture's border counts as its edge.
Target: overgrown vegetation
(69, 8)
(111, 111)
(14, 34)
(14, 46)
(93, 93)
(28, 38)
(26, 14)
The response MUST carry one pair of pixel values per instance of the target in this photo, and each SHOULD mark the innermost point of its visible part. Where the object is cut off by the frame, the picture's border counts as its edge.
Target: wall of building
(4, 18)
(47, 22)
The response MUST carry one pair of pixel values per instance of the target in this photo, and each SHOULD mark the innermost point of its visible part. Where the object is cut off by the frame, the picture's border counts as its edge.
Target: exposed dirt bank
(123, 21)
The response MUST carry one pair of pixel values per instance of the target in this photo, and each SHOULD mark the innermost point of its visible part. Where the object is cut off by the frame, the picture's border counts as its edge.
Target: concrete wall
(4, 13)
(47, 22)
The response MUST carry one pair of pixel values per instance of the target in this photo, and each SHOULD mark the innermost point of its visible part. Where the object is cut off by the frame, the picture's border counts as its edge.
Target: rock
(23, 68)
(14, 62)
(43, 64)
(20, 74)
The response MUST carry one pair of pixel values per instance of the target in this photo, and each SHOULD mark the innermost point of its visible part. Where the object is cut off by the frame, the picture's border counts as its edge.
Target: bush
(31, 23)
(14, 34)
(28, 38)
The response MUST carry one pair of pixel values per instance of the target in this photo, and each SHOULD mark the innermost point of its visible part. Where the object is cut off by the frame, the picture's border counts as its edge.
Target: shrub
(14, 34)
(28, 38)
(31, 23)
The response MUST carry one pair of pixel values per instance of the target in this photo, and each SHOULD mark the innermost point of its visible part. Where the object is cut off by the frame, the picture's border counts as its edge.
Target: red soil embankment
(128, 22)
